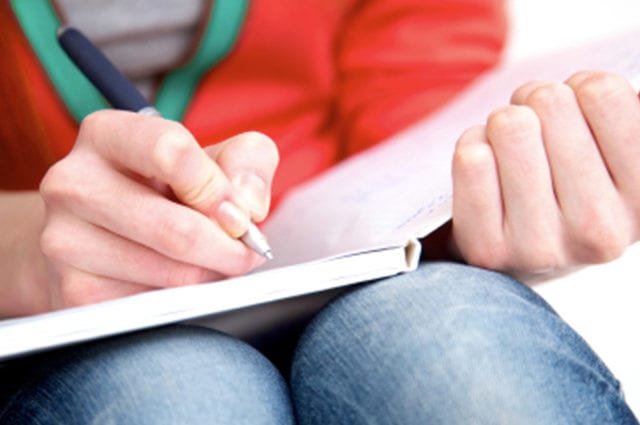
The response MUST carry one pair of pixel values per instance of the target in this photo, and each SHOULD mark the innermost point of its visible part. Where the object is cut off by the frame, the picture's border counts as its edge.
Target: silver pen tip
(255, 240)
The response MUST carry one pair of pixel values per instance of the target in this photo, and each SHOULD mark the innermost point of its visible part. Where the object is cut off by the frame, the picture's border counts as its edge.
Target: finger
(249, 161)
(94, 250)
(521, 94)
(612, 109)
(531, 218)
(570, 146)
(477, 204)
(163, 150)
(76, 288)
(588, 200)
(137, 212)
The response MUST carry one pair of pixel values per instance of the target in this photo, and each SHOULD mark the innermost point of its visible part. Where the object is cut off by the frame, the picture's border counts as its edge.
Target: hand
(137, 205)
(552, 180)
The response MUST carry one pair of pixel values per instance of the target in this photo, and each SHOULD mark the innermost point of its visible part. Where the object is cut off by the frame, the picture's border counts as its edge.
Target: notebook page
(402, 188)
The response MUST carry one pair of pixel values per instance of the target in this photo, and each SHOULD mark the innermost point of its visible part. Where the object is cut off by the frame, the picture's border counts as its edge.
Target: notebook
(360, 221)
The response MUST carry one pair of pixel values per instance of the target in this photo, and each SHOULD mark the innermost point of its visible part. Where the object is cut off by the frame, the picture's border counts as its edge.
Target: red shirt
(323, 78)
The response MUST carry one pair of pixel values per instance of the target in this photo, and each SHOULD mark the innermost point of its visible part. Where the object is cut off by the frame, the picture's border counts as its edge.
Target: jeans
(447, 344)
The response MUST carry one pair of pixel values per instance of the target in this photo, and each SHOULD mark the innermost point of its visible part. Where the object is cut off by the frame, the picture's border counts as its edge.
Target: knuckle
(97, 120)
(471, 135)
(598, 87)
(520, 94)
(49, 187)
(256, 141)
(94, 125)
(58, 182)
(579, 76)
(175, 237)
(171, 147)
(550, 97)
(597, 236)
(511, 123)
(471, 149)
(66, 182)
(489, 256)
(52, 243)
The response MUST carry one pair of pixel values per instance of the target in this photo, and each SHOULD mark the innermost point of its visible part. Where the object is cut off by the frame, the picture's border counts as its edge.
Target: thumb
(249, 160)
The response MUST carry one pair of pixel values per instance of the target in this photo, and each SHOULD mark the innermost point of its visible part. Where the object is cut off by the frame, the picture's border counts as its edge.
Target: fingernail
(232, 219)
(254, 192)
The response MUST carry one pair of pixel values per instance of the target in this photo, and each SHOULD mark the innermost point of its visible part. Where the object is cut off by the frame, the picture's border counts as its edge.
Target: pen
(122, 94)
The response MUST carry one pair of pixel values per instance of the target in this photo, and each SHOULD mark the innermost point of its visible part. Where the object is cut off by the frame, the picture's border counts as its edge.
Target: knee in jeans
(178, 374)
(440, 297)
(451, 315)
(444, 334)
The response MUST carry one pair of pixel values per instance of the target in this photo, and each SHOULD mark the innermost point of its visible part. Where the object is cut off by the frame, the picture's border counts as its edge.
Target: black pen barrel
(114, 86)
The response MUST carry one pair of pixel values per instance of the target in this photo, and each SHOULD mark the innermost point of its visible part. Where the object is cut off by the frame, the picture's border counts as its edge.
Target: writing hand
(137, 205)
(551, 181)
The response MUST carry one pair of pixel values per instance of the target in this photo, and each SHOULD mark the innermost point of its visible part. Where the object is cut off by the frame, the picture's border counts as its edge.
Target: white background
(603, 302)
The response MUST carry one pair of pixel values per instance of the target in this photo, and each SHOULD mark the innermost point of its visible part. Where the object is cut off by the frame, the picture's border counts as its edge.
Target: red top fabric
(323, 78)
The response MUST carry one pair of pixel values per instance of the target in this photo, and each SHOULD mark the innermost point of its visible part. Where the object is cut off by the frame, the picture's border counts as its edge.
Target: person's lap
(445, 344)
(173, 375)
(450, 344)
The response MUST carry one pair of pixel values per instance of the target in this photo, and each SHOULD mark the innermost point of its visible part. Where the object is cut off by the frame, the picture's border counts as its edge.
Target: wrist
(25, 272)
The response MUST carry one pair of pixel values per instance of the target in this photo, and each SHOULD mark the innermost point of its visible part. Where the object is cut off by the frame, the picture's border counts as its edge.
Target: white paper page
(363, 202)
(402, 188)
(173, 305)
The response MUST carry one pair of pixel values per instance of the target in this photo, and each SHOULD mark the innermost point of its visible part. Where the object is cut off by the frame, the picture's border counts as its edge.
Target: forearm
(24, 272)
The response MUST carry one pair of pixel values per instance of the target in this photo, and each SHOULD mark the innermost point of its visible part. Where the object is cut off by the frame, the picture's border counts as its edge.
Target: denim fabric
(180, 375)
(450, 344)
(447, 344)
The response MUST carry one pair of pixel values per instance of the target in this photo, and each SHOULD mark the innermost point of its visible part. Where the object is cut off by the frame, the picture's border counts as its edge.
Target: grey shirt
(144, 38)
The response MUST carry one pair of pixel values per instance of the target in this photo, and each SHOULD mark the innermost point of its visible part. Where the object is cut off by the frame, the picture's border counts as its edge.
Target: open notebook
(360, 221)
